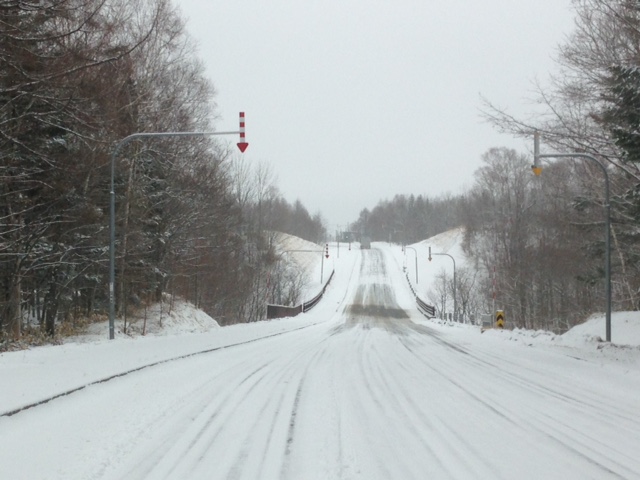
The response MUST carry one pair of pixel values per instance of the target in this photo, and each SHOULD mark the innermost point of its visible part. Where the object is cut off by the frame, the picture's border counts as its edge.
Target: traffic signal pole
(242, 145)
(537, 170)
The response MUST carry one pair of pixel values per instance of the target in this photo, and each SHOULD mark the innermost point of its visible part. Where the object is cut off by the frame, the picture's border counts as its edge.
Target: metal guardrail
(424, 308)
(306, 306)
(280, 311)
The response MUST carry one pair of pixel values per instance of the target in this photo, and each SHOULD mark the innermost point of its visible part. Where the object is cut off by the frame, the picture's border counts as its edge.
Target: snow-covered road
(368, 389)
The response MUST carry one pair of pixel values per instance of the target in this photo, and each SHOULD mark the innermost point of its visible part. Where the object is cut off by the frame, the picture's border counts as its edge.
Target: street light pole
(414, 251)
(242, 145)
(455, 285)
(537, 169)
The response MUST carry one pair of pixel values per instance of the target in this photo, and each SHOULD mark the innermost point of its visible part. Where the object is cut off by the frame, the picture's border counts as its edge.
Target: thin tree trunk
(14, 310)
(51, 308)
(623, 266)
(144, 323)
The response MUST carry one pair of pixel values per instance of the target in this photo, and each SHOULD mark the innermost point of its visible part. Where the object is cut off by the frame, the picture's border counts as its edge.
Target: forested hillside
(76, 77)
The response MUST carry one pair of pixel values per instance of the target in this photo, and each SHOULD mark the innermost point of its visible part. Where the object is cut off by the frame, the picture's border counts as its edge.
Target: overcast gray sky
(355, 101)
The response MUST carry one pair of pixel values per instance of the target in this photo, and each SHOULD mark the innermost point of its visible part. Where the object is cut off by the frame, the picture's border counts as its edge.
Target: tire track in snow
(193, 407)
(456, 442)
(586, 404)
(208, 433)
(374, 312)
(279, 446)
(272, 446)
(521, 416)
(625, 417)
(201, 413)
(392, 395)
(242, 428)
(316, 356)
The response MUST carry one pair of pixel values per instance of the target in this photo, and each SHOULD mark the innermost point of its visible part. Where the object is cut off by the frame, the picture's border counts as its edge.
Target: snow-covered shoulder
(583, 342)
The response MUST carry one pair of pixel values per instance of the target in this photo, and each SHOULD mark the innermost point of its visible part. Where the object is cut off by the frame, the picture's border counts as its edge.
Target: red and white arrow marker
(242, 145)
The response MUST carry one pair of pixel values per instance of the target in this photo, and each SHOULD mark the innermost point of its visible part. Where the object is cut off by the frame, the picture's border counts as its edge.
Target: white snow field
(361, 387)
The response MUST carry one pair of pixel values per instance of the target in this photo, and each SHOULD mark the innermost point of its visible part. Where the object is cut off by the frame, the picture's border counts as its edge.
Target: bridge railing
(280, 311)
(306, 306)
(424, 308)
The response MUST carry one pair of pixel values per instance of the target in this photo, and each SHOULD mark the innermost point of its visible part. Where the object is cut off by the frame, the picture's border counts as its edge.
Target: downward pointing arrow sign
(242, 145)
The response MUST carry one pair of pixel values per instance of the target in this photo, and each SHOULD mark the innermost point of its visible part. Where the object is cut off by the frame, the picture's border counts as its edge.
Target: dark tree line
(76, 77)
(409, 219)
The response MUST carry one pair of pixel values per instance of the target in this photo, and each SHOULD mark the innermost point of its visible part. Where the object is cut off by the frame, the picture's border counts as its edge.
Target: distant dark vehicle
(365, 243)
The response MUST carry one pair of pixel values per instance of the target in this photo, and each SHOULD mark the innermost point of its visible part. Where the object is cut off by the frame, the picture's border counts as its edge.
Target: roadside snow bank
(35, 374)
(625, 332)
(182, 318)
(625, 329)
(584, 341)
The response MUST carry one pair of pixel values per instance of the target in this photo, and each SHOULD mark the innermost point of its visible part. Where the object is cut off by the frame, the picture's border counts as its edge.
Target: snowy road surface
(368, 390)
